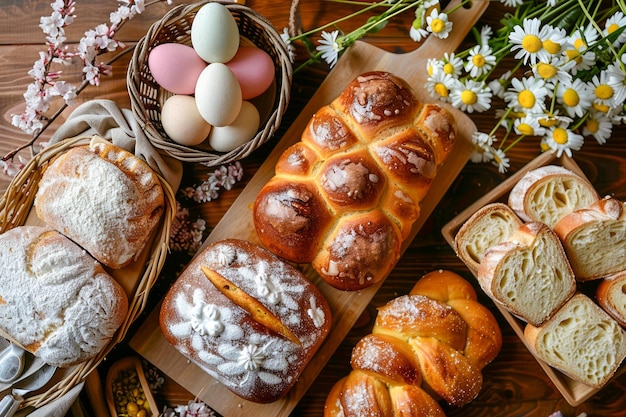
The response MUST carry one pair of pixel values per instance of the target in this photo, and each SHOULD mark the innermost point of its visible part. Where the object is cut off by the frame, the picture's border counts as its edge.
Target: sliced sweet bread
(529, 274)
(581, 340)
(594, 239)
(611, 296)
(548, 193)
(491, 224)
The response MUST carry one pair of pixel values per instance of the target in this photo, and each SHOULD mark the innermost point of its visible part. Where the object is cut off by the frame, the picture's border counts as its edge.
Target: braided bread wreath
(434, 341)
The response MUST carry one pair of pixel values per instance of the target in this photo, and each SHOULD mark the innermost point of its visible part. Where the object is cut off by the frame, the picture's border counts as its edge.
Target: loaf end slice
(611, 296)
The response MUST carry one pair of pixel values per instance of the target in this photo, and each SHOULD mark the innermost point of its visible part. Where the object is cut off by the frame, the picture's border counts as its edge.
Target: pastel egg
(254, 69)
(218, 95)
(182, 121)
(214, 33)
(175, 67)
(245, 126)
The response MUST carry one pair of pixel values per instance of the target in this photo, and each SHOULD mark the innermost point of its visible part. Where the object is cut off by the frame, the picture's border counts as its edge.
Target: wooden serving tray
(346, 307)
(574, 392)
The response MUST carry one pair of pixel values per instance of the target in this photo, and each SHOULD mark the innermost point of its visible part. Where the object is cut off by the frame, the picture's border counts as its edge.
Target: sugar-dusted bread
(611, 296)
(103, 198)
(436, 340)
(529, 274)
(594, 238)
(581, 340)
(491, 224)
(56, 300)
(346, 196)
(548, 193)
(246, 317)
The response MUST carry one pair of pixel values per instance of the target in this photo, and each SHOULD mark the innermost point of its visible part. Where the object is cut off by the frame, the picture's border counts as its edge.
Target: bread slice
(581, 340)
(611, 296)
(492, 224)
(548, 193)
(594, 239)
(529, 274)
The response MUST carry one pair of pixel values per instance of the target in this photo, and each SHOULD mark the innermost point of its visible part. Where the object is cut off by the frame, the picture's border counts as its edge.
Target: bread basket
(15, 210)
(147, 96)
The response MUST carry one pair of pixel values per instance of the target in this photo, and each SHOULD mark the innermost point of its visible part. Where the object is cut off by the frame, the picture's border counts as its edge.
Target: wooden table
(514, 383)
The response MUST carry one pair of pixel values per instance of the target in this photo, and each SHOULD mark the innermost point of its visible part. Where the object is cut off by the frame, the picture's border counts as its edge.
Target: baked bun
(247, 318)
(55, 300)
(531, 262)
(581, 340)
(435, 340)
(594, 239)
(346, 196)
(611, 296)
(103, 198)
(548, 193)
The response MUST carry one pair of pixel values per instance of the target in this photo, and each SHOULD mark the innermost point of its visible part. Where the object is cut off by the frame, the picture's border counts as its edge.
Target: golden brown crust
(611, 296)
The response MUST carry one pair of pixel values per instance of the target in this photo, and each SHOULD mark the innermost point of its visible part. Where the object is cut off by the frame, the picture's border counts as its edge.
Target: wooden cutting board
(237, 222)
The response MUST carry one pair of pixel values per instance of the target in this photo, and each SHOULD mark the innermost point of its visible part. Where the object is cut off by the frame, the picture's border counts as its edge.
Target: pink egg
(254, 70)
(175, 67)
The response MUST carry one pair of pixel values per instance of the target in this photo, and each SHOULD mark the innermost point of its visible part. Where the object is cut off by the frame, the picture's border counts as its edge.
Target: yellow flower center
(531, 43)
(560, 136)
(469, 97)
(612, 28)
(544, 146)
(478, 60)
(574, 55)
(602, 108)
(593, 125)
(448, 68)
(570, 97)
(547, 121)
(437, 25)
(525, 129)
(442, 90)
(526, 99)
(579, 44)
(546, 71)
(604, 92)
(551, 47)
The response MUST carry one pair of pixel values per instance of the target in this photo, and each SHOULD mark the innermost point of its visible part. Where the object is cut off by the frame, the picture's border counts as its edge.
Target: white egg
(182, 122)
(214, 33)
(245, 126)
(218, 95)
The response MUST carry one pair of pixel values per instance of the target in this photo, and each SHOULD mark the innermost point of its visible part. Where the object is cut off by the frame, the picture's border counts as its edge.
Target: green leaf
(378, 26)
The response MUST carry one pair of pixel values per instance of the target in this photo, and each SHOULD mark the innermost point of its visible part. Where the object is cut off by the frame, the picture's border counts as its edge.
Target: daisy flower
(329, 47)
(617, 81)
(612, 25)
(498, 85)
(512, 3)
(577, 49)
(526, 41)
(417, 31)
(438, 24)
(527, 95)
(470, 96)
(433, 65)
(452, 64)
(552, 40)
(574, 97)
(561, 139)
(528, 125)
(480, 61)
(440, 84)
(553, 71)
(483, 147)
(500, 160)
(551, 119)
(599, 126)
(603, 93)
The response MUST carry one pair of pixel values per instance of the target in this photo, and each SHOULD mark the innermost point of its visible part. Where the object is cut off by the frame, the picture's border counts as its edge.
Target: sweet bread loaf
(346, 196)
(55, 300)
(581, 340)
(531, 263)
(102, 197)
(491, 224)
(435, 340)
(246, 317)
(547, 193)
(594, 239)
(611, 296)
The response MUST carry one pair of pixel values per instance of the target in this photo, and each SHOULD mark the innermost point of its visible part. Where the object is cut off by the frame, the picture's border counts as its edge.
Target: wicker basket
(15, 207)
(147, 96)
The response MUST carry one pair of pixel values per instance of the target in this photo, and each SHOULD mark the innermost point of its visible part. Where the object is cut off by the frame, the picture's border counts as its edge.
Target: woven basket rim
(15, 205)
(193, 154)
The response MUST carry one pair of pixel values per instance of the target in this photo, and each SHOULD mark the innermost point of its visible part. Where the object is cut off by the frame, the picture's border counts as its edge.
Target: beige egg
(245, 126)
(182, 121)
(218, 95)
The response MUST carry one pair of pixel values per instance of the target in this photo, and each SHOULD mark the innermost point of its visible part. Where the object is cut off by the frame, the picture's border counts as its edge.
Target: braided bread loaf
(346, 196)
(433, 341)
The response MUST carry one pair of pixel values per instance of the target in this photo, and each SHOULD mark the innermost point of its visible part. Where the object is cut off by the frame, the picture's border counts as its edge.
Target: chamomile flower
(599, 126)
(512, 3)
(527, 95)
(561, 139)
(498, 85)
(417, 31)
(500, 160)
(617, 81)
(329, 47)
(483, 147)
(470, 96)
(574, 97)
(553, 71)
(526, 41)
(612, 25)
(438, 24)
(550, 119)
(480, 61)
(440, 84)
(528, 126)
(577, 49)
(452, 64)
(552, 41)
(603, 93)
